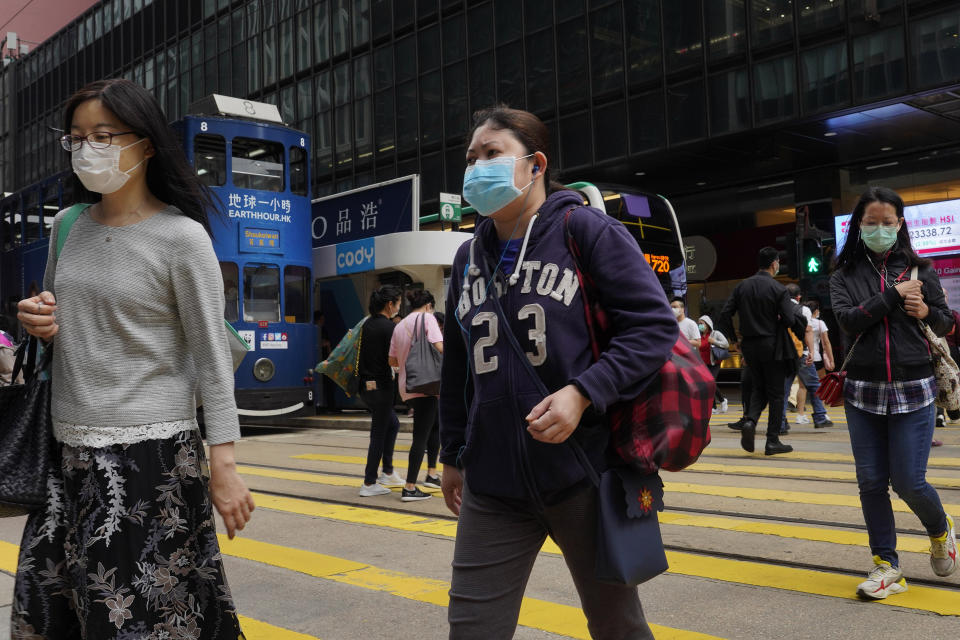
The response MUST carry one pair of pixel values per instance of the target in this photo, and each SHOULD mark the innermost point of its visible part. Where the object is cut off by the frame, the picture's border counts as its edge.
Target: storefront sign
(949, 271)
(376, 210)
(934, 228)
(357, 256)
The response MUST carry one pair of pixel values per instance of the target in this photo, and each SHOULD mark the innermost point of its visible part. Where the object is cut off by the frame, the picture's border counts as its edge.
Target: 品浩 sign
(367, 212)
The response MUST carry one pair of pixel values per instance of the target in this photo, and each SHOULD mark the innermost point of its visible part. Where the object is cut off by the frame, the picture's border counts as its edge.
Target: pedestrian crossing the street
(739, 529)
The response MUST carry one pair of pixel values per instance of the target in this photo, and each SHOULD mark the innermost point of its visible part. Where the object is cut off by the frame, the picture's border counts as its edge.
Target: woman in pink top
(425, 435)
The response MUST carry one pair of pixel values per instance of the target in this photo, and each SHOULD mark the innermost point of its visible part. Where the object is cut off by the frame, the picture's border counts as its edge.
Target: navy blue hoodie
(487, 391)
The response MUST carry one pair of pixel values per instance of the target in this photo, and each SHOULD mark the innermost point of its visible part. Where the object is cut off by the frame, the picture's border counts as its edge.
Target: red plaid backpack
(667, 426)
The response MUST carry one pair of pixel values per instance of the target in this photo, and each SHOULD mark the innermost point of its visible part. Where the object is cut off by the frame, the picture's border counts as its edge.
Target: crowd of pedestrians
(518, 422)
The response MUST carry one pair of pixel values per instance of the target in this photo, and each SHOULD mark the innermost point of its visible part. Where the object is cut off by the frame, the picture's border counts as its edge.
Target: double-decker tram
(258, 169)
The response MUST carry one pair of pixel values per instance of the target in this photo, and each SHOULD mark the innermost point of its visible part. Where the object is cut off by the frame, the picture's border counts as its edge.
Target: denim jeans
(811, 382)
(893, 449)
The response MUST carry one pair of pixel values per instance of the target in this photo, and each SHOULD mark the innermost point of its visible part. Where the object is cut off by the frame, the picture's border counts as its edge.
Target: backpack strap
(66, 222)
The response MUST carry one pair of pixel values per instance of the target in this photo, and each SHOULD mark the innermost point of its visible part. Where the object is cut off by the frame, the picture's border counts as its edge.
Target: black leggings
(717, 397)
(383, 428)
(425, 435)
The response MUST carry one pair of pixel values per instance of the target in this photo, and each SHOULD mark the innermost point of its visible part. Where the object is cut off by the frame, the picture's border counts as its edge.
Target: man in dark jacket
(766, 314)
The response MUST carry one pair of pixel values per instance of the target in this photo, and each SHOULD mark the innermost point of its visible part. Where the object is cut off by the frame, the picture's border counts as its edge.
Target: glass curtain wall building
(634, 91)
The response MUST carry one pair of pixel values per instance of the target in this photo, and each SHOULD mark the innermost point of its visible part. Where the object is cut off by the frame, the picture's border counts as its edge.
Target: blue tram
(258, 168)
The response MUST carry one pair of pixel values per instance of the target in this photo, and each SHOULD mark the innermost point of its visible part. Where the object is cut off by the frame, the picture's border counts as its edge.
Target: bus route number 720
(659, 264)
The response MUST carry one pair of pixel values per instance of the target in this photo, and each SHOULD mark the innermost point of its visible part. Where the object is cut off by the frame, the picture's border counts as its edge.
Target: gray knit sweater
(140, 310)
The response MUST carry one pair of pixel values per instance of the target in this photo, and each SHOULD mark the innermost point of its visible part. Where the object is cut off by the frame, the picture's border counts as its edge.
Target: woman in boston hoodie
(510, 472)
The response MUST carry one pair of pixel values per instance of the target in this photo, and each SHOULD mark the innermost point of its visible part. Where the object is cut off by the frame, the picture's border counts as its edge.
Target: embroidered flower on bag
(646, 500)
(118, 609)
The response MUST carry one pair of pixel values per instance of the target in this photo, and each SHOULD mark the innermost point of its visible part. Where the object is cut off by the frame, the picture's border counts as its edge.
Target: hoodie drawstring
(515, 276)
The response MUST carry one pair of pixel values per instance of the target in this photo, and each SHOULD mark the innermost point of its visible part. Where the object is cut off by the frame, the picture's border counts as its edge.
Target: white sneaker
(375, 489)
(801, 420)
(883, 581)
(724, 405)
(392, 480)
(943, 551)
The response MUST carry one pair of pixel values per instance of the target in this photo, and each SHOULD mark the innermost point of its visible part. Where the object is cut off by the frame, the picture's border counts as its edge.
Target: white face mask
(99, 169)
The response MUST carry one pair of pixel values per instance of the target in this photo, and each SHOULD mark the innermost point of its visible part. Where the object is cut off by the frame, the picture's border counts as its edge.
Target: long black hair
(854, 250)
(169, 176)
(383, 295)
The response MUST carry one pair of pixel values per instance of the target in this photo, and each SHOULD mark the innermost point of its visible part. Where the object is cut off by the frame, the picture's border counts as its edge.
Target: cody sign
(356, 256)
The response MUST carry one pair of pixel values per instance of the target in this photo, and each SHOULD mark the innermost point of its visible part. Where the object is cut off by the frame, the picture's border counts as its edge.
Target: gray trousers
(497, 544)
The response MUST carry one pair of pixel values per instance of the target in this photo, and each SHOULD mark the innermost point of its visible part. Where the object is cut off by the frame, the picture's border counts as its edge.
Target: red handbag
(831, 386)
(667, 426)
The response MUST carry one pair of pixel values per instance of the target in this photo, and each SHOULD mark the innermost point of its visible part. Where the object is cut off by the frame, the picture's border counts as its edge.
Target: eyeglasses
(96, 140)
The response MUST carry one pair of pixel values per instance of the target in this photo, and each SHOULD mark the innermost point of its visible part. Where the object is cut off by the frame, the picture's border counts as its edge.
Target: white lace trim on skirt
(77, 435)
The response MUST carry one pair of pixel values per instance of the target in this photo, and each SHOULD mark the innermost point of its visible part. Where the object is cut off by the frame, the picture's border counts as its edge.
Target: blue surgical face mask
(878, 238)
(488, 184)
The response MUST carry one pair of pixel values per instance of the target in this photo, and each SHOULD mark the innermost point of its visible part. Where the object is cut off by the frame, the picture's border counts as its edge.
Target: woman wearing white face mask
(890, 387)
(134, 308)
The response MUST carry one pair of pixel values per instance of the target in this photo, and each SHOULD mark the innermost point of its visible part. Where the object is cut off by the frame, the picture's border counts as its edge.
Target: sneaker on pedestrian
(724, 405)
(884, 580)
(936, 443)
(392, 480)
(375, 489)
(802, 420)
(412, 495)
(431, 481)
(943, 551)
(941, 420)
(826, 422)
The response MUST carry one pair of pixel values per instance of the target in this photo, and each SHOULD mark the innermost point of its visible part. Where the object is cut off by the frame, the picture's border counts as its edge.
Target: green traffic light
(813, 266)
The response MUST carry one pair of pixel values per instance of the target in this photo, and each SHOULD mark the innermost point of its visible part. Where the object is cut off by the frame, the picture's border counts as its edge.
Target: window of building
(383, 113)
(33, 208)
(541, 76)
(363, 128)
(772, 21)
(480, 28)
(610, 130)
(729, 102)
(454, 39)
(537, 14)
(683, 36)
(642, 26)
(935, 49)
(299, 176)
(382, 19)
(321, 31)
(257, 164)
(571, 59)
(402, 14)
(686, 111)
(647, 128)
(269, 57)
(606, 50)
(340, 21)
(774, 93)
(431, 126)
(568, 8)
(429, 53)
(304, 46)
(575, 140)
(288, 104)
(482, 80)
(361, 22)
(323, 145)
(296, 294)
(261, 293)
(407, 113)
(726, 28)
(879, 68)
(510, 81)
(406, 58)
(820, 15)
(824, 77)
(507, 15)
(231, 291)
(455, 99)
(210, 159)
(383, 68)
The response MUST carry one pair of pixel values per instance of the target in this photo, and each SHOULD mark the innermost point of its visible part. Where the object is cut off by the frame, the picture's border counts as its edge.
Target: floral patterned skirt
(125, 549)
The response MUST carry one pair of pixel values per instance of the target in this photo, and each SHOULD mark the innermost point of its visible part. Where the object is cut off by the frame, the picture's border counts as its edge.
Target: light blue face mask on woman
(488, 184)
(878, 238)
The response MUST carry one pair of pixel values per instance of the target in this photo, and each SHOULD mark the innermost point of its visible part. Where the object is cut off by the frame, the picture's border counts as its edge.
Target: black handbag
(26, 433)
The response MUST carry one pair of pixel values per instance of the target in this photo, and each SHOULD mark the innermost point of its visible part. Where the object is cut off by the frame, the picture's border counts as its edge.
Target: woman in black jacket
(890, 387)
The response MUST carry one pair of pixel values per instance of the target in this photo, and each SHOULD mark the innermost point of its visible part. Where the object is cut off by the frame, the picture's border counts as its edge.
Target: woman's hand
(908, 287)
(228, 490)
(451, 483)
(556, 416)
(828, 364)
(36, 314)
(915, 306)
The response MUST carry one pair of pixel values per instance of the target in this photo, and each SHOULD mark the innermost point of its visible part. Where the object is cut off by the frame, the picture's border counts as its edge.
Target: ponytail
(382, 296)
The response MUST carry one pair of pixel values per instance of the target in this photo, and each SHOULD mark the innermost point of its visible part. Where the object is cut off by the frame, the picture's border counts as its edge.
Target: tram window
(231, 291)
(34, 212)
(257, 164)
(296, 294)
(298, 171)
(261, 293)
(210, 159)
